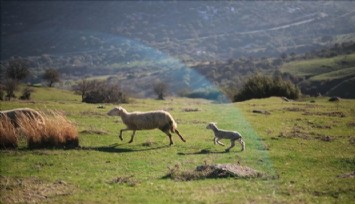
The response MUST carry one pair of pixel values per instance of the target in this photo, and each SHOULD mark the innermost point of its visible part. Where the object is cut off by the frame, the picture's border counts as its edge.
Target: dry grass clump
(32, 190)
(55, 132)
(213, 171)
(8, 136)
(124, 180)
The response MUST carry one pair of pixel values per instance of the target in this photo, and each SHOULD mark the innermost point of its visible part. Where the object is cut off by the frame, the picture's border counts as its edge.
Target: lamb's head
(211, 126)
(116, 111)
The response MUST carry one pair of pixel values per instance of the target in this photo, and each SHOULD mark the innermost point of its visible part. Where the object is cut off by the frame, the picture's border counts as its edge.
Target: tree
(18, 69)
(160, 88)
(83, 87)
(51, 76)
(10, 86)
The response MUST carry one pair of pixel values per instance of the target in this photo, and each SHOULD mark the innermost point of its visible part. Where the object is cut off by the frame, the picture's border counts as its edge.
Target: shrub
(98, 91)
(259, 86)
(26, 93)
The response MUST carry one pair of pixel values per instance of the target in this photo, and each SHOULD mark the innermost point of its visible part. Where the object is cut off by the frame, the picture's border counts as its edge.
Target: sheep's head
(211, 126)
(116, 111)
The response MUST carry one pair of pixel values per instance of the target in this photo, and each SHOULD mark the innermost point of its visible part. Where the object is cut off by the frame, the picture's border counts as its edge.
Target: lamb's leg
(134, 132)
(242, 143)
(216, 140)
(178, 133)
(232, 145)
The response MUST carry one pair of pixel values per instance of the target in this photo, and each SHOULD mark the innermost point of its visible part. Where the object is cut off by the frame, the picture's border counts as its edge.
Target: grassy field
(305, 150)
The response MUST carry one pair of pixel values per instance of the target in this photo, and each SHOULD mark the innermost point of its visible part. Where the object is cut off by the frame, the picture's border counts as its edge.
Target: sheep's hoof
(227, 150)
(120, 138)
(171, 144)
(130, 141)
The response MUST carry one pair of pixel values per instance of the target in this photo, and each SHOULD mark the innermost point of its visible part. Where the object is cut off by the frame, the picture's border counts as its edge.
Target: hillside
(193, 46)
(334, 76)
(189, 31)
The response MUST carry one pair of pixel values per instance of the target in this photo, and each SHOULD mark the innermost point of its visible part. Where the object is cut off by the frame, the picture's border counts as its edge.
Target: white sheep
(146, 121)
(225, 134)
(15, 115)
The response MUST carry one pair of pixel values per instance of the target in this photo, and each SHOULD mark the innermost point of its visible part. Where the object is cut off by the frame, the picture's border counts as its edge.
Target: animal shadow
(203, 151)
(114, 148)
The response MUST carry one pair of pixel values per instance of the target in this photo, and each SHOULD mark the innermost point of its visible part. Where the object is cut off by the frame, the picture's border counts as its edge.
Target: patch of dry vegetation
(8, 136)
(31, 190)
(213, 171)
(56, 132)
(124, 180)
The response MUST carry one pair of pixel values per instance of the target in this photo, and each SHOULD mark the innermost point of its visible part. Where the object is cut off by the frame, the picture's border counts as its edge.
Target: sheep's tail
(173, 128)
(173, 125)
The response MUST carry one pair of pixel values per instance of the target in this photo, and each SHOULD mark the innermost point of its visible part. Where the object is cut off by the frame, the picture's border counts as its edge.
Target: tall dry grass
(55, 132)
(8, 134)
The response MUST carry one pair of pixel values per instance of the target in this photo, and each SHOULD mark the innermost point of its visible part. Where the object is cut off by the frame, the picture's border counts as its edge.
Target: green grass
(338, 74)
(298, 170)
(321, 66)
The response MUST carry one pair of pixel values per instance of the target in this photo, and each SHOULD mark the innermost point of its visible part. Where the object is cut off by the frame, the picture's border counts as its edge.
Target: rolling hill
(333, 76)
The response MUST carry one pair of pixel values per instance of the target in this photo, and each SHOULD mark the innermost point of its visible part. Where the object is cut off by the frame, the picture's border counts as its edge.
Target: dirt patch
(261, 112)
(351, 124)
(352, 140)
(149, 143)
(190, 110)
(347, 175)
(213, 171)
(330, 114)
(294, 109)
(124, 180)
(31, 190)
(299, 132)
(315, 125)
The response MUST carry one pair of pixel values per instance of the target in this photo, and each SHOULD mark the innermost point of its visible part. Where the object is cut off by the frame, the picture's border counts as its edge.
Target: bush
(259, 86)
(26, 93)
(98, 91)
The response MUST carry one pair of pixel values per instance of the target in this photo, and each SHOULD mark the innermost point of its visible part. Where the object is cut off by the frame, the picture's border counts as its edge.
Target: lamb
(15, 116)
(146, 121)
(224, 134)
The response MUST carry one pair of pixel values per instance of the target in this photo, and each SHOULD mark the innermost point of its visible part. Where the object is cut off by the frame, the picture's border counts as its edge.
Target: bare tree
(17, 69)
(10, 86)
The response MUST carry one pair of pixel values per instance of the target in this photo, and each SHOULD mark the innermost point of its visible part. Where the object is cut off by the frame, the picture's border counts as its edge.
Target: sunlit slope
(328, 76)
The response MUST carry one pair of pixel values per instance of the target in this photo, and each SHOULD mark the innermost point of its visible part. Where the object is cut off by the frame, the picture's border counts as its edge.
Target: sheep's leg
(232, 145)
(121, 131)
(169, 135)
(178, 133)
